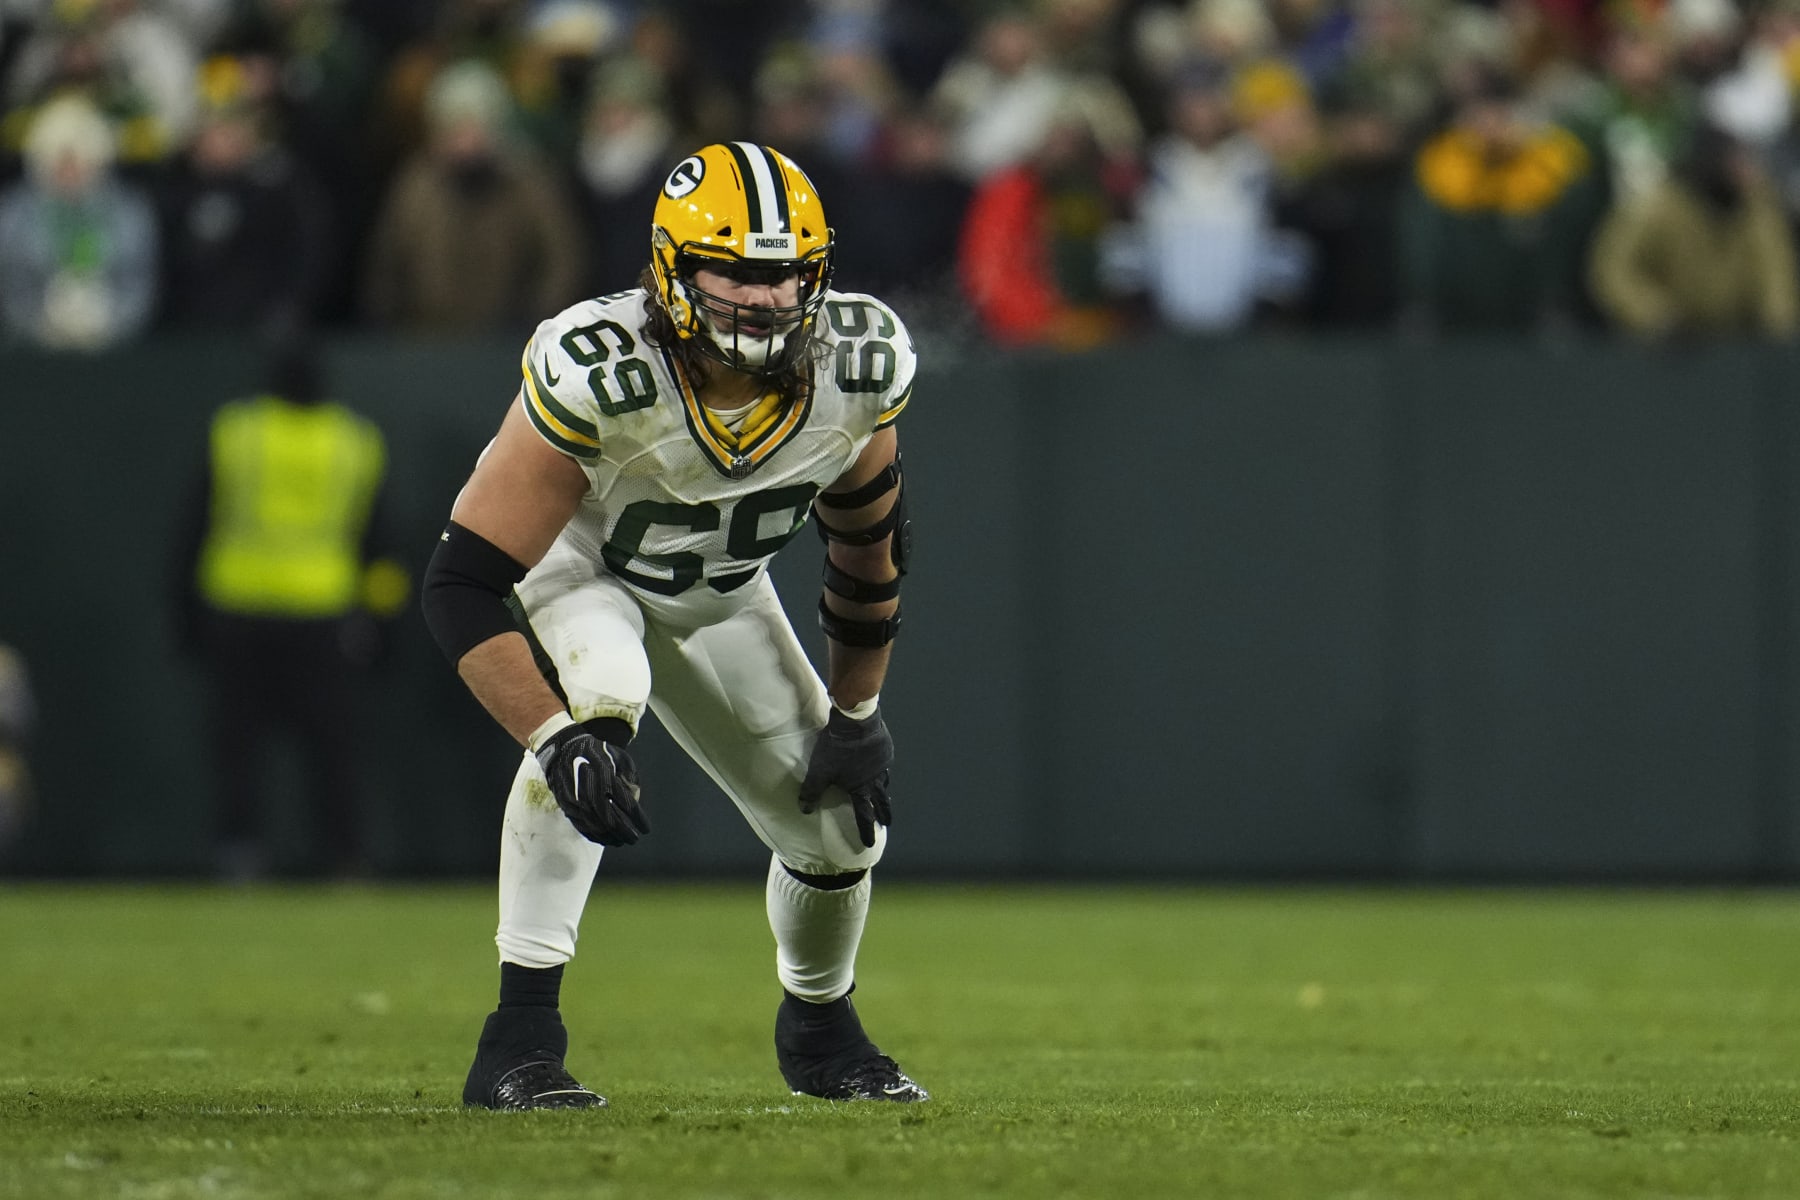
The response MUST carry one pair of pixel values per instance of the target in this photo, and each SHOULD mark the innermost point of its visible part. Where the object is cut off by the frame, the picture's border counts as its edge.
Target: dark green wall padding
(1208, 609)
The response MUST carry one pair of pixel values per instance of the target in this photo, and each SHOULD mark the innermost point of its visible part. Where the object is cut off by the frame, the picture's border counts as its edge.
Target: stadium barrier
(1202, 609)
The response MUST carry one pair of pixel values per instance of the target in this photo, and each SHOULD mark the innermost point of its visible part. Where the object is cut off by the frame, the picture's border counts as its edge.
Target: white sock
(816, 934)
(546, 869)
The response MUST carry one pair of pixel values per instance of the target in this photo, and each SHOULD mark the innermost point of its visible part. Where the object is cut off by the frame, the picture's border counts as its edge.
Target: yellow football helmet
(751, 214)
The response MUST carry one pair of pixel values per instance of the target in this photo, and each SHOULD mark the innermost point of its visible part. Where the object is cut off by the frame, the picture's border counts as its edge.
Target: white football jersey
(672, 504)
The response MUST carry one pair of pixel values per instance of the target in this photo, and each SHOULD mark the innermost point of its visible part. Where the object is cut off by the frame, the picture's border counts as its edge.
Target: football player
(610, 553)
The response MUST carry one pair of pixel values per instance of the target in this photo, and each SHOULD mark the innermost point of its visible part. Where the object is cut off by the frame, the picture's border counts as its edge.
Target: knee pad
(591, 653)
(839, 849)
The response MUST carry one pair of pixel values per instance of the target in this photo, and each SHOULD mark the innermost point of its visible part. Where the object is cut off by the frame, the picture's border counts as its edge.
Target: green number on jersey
(632, 379)
(872, 370)
(585, 346)
(746, 538)
(684, 566)
(850, 318)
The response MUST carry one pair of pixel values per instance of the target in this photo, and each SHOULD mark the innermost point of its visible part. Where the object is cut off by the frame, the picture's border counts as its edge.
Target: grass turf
(1097, 1042)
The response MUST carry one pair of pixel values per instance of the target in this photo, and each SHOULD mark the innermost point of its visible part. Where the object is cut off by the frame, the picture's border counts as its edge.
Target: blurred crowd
(1066, 171)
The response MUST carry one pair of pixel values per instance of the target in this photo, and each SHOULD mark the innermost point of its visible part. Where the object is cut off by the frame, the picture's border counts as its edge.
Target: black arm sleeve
(466, 586)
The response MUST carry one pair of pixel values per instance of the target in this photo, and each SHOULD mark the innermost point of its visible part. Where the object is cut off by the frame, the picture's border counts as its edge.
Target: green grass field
(1098, 1042)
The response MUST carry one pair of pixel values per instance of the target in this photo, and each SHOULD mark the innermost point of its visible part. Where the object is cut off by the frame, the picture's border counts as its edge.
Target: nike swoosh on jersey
(561, 427)
(550, 377)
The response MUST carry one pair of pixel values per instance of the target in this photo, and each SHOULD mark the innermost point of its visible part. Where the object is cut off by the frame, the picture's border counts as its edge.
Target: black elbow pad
(894, 525)
(465, 590)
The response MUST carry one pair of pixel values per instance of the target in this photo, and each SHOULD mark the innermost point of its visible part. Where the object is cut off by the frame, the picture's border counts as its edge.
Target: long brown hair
(791, 382)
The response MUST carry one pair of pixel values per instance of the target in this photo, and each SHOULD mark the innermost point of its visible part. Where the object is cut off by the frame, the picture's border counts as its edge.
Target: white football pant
(728, 678)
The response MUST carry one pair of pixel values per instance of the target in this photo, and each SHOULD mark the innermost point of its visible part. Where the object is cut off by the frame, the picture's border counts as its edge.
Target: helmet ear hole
(724, 231)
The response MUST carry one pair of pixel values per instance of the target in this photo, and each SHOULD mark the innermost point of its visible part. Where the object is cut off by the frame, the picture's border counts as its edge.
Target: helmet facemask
(754, 339)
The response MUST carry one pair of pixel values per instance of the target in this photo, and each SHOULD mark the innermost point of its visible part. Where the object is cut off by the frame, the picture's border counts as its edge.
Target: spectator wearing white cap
(626, 148)
(78, 246)
(1205, 211)
(475, 234)
(1002, 98)
(134, 59)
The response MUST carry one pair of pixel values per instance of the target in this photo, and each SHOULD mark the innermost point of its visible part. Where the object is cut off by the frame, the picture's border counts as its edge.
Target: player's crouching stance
(666, 443)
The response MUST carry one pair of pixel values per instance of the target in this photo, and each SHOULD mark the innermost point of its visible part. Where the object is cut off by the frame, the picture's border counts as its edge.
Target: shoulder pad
(561, 394)
(872, 351)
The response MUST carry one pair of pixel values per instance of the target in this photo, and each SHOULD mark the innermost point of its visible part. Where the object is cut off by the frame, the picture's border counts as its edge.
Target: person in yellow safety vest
(286, 593)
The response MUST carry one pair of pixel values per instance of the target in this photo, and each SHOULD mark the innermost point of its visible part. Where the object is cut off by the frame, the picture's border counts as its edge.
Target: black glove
(855, 755)
(595, 784)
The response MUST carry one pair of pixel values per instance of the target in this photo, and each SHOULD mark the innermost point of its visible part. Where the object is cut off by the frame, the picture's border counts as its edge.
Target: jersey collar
(737, 461)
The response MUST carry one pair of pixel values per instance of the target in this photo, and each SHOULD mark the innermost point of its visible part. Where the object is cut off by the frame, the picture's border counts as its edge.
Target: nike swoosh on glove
(856, 756)
(595, 784)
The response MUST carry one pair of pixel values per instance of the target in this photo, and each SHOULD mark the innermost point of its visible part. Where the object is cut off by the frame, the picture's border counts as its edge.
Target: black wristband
(614, 731)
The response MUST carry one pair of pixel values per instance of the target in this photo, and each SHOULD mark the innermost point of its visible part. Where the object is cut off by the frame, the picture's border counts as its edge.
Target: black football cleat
(541, 1084)
(823, 1051)
(519, 1065)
